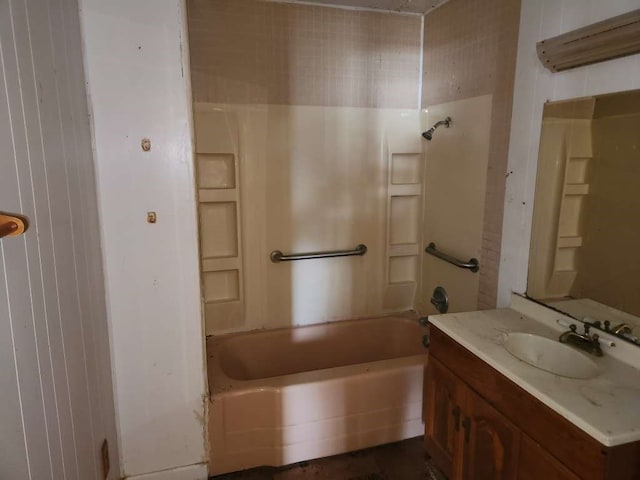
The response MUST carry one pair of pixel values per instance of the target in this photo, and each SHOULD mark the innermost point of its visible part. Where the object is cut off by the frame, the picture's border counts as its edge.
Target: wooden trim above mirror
(612, 38)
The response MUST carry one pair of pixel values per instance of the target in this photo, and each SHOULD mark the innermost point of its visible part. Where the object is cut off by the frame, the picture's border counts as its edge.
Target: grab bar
(473, 264)
(277, 256)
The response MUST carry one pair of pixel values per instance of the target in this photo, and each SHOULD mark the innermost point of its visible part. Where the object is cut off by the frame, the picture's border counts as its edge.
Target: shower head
(429, 133)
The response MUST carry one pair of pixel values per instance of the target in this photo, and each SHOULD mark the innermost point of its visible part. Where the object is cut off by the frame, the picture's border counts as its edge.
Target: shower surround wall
(454, 186)
(469, 51)
(307, 139)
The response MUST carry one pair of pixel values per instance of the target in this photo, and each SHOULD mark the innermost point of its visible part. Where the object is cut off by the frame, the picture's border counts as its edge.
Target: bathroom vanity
(490, 415)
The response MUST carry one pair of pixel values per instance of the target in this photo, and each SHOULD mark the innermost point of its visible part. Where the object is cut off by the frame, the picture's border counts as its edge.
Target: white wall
(542, 19)
(137, 69)
(56, 399)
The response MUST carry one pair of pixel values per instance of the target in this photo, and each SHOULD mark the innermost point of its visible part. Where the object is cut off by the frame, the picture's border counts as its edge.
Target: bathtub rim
(220, 382)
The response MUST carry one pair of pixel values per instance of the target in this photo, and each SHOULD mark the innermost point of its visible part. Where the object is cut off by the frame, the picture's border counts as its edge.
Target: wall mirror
(585, 243)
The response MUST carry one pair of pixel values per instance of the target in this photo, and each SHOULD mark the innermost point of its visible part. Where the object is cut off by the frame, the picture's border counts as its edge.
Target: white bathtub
(288, 395)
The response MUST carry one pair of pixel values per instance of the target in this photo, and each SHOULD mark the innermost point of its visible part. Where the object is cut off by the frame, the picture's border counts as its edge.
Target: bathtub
(288, 395)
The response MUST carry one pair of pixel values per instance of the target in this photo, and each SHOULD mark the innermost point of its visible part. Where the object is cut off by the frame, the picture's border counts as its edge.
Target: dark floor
(397, 461)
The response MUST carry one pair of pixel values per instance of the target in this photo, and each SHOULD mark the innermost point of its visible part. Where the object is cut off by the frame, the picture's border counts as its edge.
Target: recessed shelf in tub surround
(220, 218)
(404, 212)
(605, 407)
(566, 201)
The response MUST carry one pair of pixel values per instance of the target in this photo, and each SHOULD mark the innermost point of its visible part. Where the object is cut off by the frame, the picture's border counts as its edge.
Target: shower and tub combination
(285, 395)
(307, 353)
(313, 135)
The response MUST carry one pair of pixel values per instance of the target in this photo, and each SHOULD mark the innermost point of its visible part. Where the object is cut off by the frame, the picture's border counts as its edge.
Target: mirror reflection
(585, 244)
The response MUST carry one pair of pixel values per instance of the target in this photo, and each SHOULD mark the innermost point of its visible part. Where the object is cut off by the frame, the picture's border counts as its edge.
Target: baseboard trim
(189, 472)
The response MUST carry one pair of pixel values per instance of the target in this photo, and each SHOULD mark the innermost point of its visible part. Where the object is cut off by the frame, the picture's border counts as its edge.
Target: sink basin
(550, 356)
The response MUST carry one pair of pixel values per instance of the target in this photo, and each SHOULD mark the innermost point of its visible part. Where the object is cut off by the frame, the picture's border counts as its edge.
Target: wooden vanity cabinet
(490, 442)
(481, 425)
(465, 436)
(441, 415)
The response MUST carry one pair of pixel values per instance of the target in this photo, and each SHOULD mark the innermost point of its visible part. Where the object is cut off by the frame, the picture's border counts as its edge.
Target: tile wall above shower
(248, 51)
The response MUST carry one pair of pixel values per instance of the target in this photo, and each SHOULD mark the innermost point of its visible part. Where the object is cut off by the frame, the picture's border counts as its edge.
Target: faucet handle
(573, 327)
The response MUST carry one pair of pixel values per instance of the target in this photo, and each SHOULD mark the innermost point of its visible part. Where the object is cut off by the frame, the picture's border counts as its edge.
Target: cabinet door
(442, 414)
(491, 442)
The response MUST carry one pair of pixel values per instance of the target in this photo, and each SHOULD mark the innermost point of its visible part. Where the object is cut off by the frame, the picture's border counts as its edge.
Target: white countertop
(606, 407)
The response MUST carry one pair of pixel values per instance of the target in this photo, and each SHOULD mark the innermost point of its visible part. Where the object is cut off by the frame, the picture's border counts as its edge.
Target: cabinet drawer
(536, 463)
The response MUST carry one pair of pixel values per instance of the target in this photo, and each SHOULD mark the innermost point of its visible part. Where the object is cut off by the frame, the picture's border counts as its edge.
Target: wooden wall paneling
(24, 297)
(86, 231)
(72, 161)
(31, 158)
(59, 145)
(55, 372)
(13, 455)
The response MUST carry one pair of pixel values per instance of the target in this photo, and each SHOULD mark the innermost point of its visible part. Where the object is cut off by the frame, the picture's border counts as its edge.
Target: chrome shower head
(429, 133)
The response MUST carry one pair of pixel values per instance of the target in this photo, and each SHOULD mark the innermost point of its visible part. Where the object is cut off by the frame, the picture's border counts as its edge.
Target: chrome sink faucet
(622, 329)
(584, 341)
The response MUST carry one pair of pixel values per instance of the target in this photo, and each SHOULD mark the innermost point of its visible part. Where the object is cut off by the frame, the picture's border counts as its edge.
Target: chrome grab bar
(277, 256)
(473, 264)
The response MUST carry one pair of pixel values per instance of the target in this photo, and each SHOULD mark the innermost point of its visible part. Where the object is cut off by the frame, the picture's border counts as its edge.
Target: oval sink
(550, 356)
